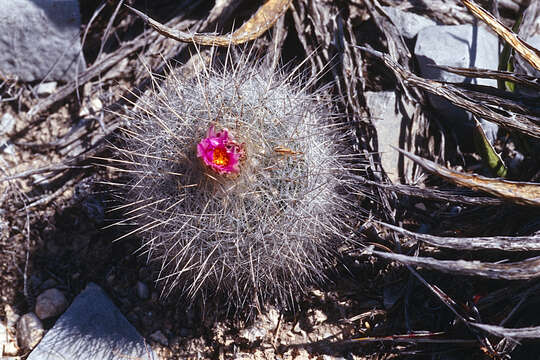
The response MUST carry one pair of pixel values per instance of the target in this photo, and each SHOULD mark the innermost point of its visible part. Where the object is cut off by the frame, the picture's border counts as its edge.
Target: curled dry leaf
(528, 52)
(506, 243)
(520, 270)
(522, 79)
(455, 196)
(523, 193)
(261, 21)
(515, 334)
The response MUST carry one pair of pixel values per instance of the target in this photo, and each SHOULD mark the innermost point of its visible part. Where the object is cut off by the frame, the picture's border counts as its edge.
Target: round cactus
(239, 184)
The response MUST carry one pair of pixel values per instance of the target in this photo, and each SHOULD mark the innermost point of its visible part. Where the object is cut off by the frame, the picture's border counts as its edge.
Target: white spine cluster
(262, 234)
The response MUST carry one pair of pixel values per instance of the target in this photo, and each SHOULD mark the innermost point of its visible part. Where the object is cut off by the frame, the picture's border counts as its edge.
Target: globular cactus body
(238, 184)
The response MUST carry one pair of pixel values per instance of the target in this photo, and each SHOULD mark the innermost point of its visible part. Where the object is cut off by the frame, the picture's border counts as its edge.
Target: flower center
(220, 157)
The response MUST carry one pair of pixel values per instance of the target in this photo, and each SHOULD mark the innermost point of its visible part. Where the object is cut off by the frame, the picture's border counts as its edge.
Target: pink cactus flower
(220, 152)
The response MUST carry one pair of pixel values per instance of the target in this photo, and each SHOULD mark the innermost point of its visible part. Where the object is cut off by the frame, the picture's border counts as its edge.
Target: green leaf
(488, 153)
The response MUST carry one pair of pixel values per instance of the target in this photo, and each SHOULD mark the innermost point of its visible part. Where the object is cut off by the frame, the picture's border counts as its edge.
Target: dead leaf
(262, 20)
(505, 243)
(520, 270)
(523, 193)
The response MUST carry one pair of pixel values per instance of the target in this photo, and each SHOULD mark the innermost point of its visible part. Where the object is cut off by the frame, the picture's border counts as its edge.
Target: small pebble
(29, 331)
(8, 344)
(110, 277)
(183, 332)
(50, 303)
(158, 337)
(142, 290)
(48, 284)
(46, 89)
(316, 317)
(7, 123)
(11, 316)
(420, 206)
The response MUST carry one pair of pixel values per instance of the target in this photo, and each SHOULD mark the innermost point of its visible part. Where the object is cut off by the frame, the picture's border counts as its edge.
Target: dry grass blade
(522, 79)
(475, 102)
(520, 270)
(261, 21)
(514, 334)
(433, 338)
(453, 196)
(506, 243)
(528, 52)
(523, 193)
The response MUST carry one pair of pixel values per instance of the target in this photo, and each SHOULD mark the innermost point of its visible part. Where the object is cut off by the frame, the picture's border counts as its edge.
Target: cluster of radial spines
(269, 231)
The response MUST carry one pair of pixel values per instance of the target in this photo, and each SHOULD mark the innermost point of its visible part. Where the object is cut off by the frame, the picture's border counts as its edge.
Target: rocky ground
(59, 202)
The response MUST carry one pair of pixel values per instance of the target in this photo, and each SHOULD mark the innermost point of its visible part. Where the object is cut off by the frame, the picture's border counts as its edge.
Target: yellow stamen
(219, 157)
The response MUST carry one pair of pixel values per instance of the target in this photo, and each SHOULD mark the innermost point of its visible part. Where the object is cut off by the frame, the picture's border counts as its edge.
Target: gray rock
(50, 303)
(409, 24)
(8, 343)
(39, 39)
(388, 119)
(46, 89)
(158, 336)
(11, 316)
(7, 123)
(461, 46)
(529, 31)
(92, 328)
(48, 284)
(29, 331)
(142, 290)
(522, 66)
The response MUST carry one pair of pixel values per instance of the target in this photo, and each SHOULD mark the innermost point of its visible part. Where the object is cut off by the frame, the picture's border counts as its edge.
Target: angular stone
(29, 331)
(529, 31)
(50, 303)
(389, 118)
(46, 89)
(92, 328)
(158, 336)
(460, 46)
(408, 23)
(8, 344)
(7, 123)
(142, 290)
(39, 39)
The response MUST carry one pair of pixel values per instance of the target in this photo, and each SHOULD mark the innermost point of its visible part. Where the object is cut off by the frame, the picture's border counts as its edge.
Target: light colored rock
(29, 331)
(46, 89)
(460, 46)
(11, 316)
(50, 303)
(316, 317)
(529, 31)
(7, 148)
(92, 328)
(253, 333)
(388, 119)
(7, 123)
(158, 336)
(92, 107)
(408, 23)
(142, 290)
(523, 67)
(264, 323)
(8, 343)
(39, 39)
